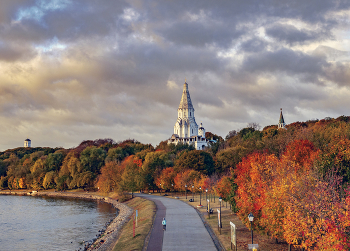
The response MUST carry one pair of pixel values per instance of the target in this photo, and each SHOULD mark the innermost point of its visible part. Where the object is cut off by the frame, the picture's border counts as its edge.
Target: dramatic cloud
(77, 70)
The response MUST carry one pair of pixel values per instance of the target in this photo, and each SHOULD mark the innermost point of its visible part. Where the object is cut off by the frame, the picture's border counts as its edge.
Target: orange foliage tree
(253, 178)
(110, 176)
(166, 178)
(291, 201)
(187, 177)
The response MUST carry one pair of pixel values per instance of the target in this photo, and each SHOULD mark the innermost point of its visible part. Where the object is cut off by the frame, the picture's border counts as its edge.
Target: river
(47, 223)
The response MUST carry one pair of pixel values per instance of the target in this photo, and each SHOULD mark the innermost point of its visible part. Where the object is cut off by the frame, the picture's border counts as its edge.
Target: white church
(186, 129)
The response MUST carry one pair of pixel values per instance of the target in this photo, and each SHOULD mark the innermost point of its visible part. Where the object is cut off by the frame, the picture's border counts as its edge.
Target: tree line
(294, 180)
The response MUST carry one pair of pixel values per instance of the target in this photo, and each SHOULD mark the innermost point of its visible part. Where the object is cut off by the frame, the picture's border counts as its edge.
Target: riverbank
(109, 237)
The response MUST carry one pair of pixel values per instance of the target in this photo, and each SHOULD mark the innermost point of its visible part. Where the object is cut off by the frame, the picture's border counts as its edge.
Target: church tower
(201, 131)
(186, 129)
(281, 124)
(27, 143)
(185, 125)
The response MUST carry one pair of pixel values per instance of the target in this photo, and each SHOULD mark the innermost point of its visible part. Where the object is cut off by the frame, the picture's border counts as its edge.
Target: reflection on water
(46, 223)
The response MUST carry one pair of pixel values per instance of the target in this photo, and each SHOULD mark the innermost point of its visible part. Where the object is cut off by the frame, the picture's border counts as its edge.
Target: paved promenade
(185, 230)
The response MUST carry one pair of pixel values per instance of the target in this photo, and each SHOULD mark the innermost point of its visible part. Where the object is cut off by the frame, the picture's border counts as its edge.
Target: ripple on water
(39, 223)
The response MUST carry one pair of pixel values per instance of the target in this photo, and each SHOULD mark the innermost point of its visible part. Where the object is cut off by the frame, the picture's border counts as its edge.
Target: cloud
(292, 35)
(76, 70)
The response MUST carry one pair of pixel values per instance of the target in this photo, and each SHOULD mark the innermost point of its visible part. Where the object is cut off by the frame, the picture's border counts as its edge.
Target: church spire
(281, 118)
(281, 123)
(185, 102)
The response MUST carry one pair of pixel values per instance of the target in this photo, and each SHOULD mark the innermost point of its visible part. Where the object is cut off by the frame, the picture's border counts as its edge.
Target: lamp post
(220, 199)
(192, 193)
(160, 188)
(172, 186)
(208, 208)
(200, 196)
(251, 218)
(206, 193)
(186, 191)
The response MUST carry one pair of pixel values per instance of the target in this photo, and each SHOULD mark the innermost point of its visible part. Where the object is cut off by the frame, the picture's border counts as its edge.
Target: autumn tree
(110, 176)
(226, 189)
(187, 177)
(131, 179)
(166, 178)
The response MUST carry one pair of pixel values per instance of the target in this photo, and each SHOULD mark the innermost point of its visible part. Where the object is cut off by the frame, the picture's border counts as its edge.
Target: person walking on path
(164, 224)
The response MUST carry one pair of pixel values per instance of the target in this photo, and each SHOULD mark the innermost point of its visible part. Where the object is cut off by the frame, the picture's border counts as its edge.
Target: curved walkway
(185, 230)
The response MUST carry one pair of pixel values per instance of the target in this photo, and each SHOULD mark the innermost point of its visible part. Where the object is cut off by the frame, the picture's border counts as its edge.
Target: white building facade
(186, 129)
(27, 143)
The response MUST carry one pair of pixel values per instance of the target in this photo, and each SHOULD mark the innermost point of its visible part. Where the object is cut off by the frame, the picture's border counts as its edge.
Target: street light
(251, 218)
(206, 192)
(192, 193)
(160, 188)
(200, 196)
(186, 191)
(208, 208)
(220, 199)
(172, 185)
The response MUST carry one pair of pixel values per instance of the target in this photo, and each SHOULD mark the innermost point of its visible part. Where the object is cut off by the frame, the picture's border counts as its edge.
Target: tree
(115, 155)
(166, 178)
(131, 179)
(227, 159)
(231, 134)
(110, 176)
(187, 177)
(49, 180)
(54, 161)
(225, 188)
(153, 165)
(253, 179)
(198, 160)
(92, 159)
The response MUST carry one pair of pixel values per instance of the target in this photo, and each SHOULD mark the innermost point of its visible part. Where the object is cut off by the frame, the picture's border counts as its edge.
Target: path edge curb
(215, 239)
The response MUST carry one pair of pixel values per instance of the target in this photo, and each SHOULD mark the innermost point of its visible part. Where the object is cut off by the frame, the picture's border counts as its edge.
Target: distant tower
(27, 143)
(186, 125)
(186, 130)
(281, 124)
(201, 131)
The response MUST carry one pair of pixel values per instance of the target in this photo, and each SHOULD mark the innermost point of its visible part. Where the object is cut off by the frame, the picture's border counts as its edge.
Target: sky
(74, 70)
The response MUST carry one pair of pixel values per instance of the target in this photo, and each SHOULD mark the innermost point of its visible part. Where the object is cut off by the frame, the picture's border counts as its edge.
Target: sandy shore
(109, 237)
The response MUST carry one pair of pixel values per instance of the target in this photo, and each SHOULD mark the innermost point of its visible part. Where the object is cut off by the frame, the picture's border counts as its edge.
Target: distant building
(281, 124)
(27, 143)
(186, 129)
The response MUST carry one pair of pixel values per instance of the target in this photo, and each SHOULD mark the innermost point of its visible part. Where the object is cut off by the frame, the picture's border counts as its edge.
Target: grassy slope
(146, 211)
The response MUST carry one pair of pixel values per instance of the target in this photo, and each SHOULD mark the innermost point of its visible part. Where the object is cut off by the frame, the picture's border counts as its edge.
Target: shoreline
(110, 236)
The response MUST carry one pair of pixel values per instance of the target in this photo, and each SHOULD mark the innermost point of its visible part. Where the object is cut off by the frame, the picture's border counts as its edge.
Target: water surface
(46, 223)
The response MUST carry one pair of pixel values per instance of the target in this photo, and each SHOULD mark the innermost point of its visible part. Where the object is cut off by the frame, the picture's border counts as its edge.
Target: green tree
(197, 160)
(131, 179)
(154, 163)
(115, 154)
(49, 180)
(54, 161)
(92, 159)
